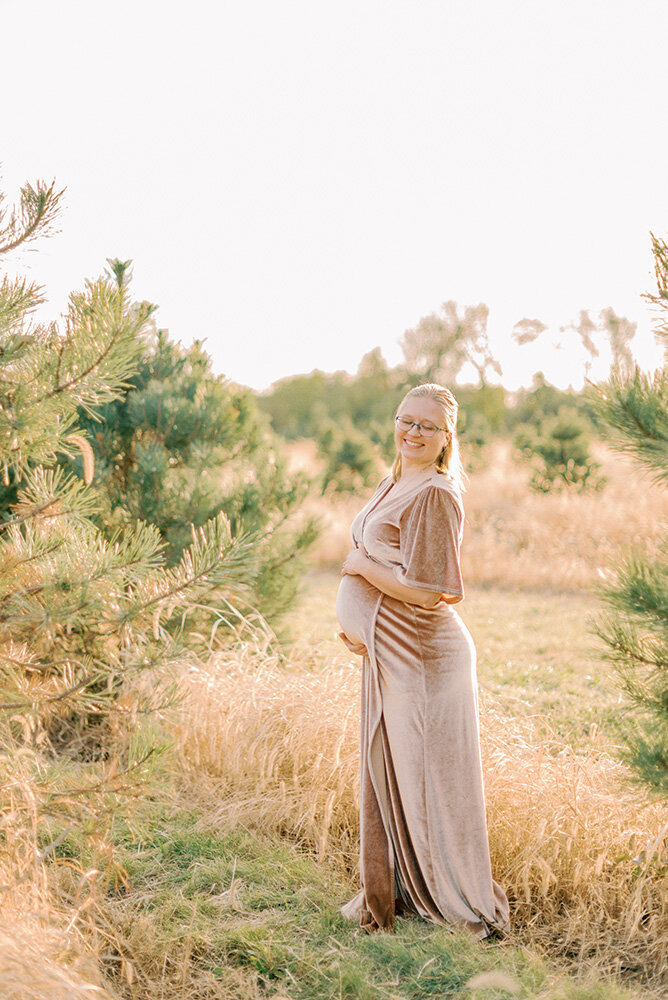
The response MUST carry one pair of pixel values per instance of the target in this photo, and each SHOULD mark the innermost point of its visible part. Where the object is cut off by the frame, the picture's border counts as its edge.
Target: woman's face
(416, 450)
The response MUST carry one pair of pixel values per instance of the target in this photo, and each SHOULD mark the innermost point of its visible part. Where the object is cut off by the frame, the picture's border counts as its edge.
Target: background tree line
(349, 416)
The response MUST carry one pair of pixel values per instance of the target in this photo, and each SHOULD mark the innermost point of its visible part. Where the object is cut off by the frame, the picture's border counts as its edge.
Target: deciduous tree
(442, 343)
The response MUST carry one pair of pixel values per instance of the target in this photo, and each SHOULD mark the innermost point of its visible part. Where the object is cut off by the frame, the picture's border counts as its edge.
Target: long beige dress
(423, 834)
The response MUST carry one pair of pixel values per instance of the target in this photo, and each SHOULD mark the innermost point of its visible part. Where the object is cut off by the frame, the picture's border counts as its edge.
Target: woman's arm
(382, 578)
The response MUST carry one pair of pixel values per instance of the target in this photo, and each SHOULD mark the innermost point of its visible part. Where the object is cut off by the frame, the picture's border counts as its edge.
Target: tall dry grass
(48, 941)
(38, 962)
(58, 863)
(564, 541)
(515, 537)
(275, 749)
(580, 856)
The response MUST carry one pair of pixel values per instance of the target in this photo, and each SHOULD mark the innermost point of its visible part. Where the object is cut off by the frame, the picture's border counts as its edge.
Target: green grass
(271, 914)
(538, 656)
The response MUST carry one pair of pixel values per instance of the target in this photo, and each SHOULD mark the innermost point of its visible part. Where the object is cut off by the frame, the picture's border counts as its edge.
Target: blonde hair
(448, 460)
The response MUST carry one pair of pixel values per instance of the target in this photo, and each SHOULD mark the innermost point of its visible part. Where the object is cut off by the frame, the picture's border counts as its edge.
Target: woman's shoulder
(434, 490)
(434, 506)
(444, 484)
(435, 496)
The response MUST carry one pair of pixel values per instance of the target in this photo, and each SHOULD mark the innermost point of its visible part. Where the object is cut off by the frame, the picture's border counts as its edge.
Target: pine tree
(181, 445)
(83, 614)
(635, 629)
(352, 462)
(557, 451)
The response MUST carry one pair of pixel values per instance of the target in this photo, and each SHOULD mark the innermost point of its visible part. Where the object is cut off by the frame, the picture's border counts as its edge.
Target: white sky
(300, 181)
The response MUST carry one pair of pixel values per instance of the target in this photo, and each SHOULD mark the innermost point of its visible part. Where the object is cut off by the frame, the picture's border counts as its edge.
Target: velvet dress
(423, 834)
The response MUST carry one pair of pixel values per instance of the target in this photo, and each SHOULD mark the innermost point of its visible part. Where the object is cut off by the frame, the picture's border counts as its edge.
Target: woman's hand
(358, 648)
(355, 563)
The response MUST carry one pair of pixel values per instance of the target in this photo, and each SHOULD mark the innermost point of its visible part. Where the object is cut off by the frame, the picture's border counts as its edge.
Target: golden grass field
(264, 739)
(580, 855)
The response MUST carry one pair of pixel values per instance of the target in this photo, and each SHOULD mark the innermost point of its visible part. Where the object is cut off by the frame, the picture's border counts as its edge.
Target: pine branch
(37, 212)
(105, 783)
(31, 665)
(104, 311)
(646, 752)
(635, 408)
(640, 588)
(17, 300)
(76, 380)
(51, 699)
(61, 494)
(36, 512)
(214, 558)
(660, 251)
(636, 412)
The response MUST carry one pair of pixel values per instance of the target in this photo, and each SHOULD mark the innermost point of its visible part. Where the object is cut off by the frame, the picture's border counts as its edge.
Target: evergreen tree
(180, 445)
(352, 463)
(557, 450)
(81, 614)
(635, 629)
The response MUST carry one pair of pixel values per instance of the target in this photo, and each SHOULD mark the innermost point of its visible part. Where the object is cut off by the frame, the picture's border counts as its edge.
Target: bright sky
(300, 181)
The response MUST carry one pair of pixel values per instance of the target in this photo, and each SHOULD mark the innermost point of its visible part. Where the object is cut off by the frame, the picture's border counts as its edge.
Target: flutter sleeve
(430, 538)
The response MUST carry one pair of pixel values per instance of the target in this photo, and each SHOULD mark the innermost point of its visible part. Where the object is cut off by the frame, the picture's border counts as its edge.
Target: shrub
(557, 450)
(352, 462)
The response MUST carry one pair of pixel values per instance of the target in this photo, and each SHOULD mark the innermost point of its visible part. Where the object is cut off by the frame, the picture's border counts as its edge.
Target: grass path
(230, 914)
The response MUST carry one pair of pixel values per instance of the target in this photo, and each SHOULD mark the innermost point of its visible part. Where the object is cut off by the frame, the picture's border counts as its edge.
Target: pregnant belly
(356, 604)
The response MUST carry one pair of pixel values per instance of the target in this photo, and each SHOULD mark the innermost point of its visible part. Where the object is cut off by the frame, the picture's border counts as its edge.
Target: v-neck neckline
(374, 505)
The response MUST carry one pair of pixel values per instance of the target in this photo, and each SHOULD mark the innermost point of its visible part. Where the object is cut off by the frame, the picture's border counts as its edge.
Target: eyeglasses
(425, 429)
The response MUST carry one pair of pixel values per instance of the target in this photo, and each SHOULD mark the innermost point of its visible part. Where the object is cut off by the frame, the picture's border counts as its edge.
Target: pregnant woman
(423, 833)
